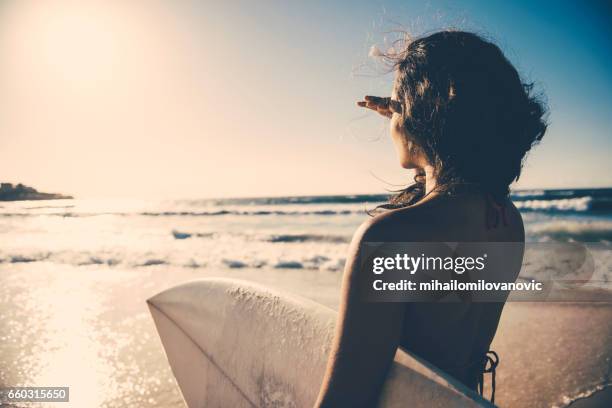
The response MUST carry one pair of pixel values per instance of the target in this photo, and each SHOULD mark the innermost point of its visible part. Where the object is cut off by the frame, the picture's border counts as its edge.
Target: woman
(462, 118)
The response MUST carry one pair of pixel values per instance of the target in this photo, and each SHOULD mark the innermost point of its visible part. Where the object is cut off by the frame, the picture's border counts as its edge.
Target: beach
(75, 276)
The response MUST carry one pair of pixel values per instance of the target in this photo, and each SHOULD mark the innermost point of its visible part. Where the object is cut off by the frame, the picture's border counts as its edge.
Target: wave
(528, 193)
(579, 205)
(567, 204)
(592, 393)
(192, 213)
(75, 258)
(581, 200)
(62, 214)
(231, 263)
(255, 212)
(572, 230)
(308, 238)
(279, 264)
(153, 262)
(274, 238)
(325, 199)
(184, 235)
(266, 259)
(289, 265)
(27, 258)
(45, 207)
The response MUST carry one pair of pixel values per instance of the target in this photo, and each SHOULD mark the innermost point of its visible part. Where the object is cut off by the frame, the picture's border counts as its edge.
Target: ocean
(309, 232)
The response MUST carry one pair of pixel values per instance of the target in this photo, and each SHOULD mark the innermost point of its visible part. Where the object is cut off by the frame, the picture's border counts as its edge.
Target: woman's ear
(419, 175)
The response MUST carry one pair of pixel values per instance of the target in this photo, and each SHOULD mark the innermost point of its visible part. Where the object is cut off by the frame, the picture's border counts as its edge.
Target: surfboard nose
(194, 306)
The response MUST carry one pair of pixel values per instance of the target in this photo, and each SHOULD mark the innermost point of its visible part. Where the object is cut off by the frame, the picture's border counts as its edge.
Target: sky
(190, 99)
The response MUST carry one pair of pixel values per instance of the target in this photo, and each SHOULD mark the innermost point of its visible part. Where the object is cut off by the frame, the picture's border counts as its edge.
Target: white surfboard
(232, 343)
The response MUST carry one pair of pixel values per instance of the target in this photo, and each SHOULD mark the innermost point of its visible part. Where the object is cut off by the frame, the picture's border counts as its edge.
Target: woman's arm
(366, 339)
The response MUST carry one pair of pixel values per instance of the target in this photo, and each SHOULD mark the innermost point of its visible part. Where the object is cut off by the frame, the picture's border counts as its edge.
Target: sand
(552, 353)
(89, 328)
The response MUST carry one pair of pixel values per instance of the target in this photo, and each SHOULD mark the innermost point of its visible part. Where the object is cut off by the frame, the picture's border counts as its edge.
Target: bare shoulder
(442, 218)
(401, 225)
(404, 224)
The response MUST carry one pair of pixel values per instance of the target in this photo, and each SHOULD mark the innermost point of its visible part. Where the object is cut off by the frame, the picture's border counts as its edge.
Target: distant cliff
(10, 192)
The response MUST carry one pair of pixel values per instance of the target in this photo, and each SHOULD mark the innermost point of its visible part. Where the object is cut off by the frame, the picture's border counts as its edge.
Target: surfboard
(233, 343)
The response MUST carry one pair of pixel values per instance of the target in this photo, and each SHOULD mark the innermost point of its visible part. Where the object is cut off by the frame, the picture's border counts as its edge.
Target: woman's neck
(430, 179)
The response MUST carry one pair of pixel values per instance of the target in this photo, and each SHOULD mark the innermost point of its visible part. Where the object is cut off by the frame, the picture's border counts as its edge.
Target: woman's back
(455, 336)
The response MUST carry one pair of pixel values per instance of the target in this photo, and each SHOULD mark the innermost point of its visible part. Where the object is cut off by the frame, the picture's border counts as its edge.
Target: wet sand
(89, 328)
(552, 353)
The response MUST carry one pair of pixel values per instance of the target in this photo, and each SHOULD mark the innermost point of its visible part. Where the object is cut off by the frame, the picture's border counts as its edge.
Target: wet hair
(466, 109)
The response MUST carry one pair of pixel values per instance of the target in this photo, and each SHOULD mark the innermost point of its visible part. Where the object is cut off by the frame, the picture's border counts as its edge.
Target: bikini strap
(491, 359)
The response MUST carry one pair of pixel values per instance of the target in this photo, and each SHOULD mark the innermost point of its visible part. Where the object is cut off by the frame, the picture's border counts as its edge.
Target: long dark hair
(467, 110)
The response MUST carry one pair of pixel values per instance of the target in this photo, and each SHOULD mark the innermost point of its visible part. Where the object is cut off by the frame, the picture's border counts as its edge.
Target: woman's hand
(384, 106)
